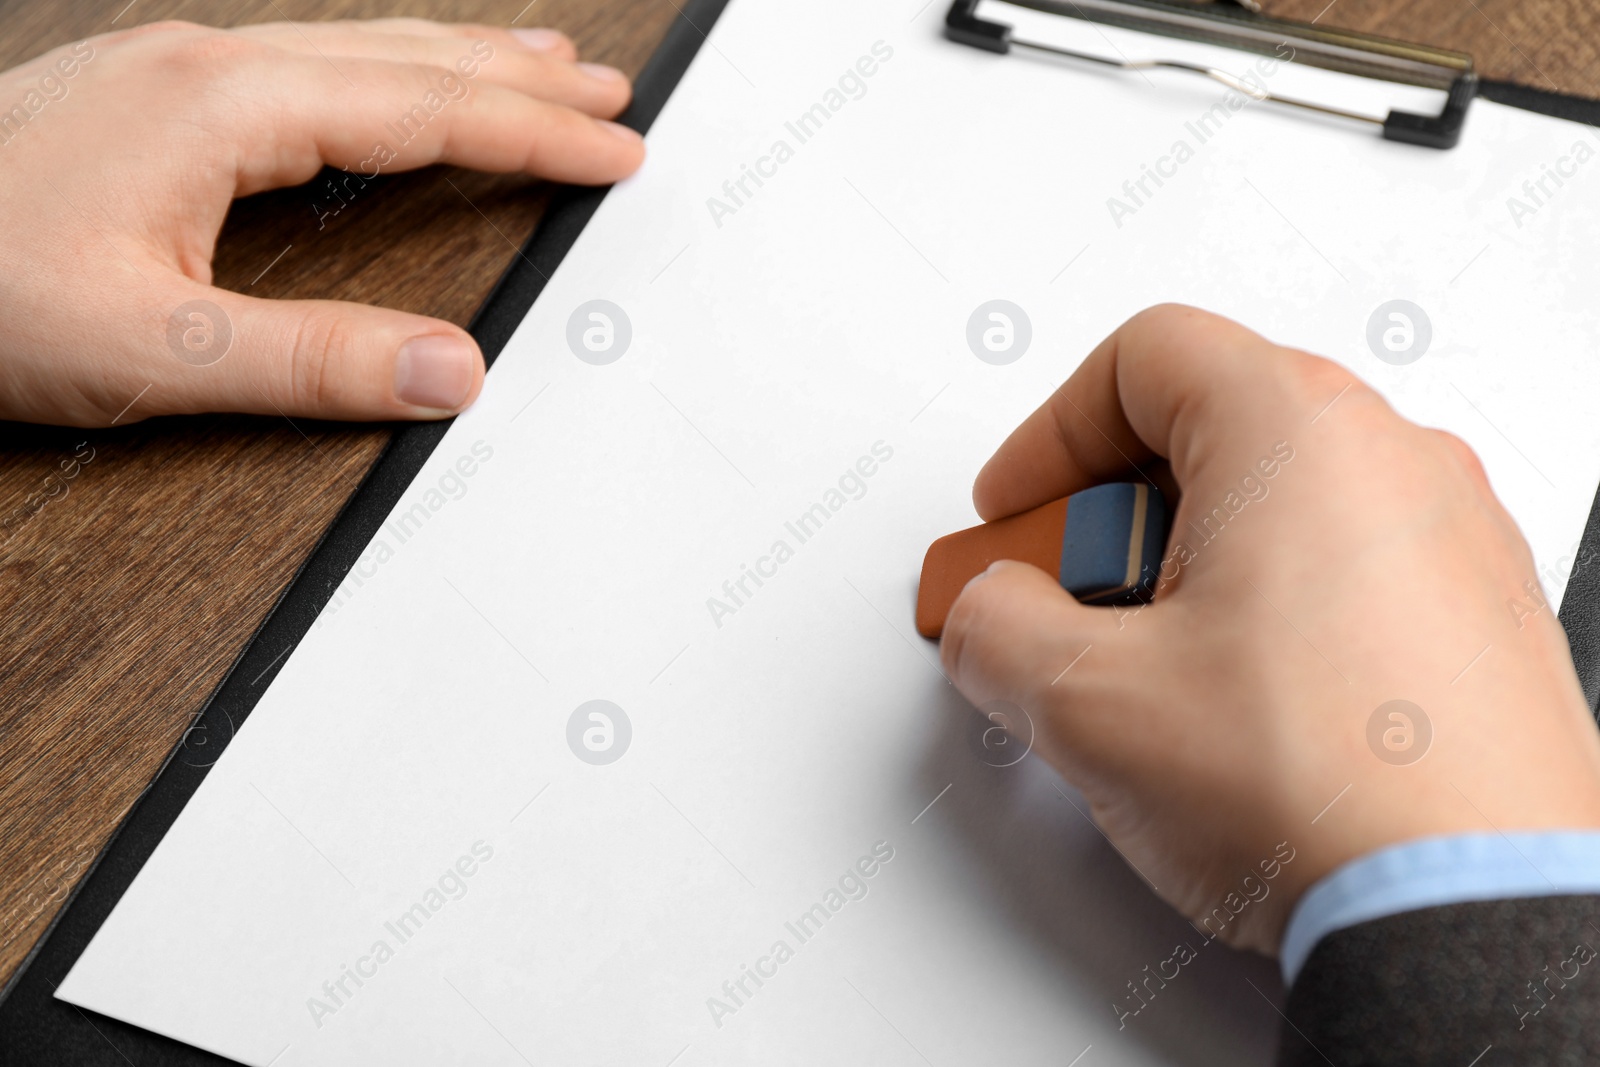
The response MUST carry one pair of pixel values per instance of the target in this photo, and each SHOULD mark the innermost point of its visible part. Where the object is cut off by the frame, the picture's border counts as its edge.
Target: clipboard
(1242, 27)
(1246, 30)
(36, 1028)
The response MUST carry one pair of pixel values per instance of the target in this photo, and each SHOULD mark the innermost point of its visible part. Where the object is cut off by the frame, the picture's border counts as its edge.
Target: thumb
(1014, 634)
(320, 359)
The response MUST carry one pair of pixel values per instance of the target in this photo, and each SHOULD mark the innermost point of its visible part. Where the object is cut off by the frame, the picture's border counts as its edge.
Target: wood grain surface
(136, 562)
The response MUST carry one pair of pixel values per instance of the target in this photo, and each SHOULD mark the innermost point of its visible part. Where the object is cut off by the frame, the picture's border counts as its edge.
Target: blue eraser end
(1111, 546)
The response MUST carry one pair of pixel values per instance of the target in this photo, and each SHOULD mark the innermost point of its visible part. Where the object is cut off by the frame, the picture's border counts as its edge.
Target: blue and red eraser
(1103, 545)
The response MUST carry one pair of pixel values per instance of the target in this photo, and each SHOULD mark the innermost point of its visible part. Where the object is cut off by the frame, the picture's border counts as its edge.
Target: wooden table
(125, 599)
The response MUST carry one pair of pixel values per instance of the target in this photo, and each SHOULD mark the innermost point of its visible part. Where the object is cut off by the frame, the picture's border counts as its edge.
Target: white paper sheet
(564, 542)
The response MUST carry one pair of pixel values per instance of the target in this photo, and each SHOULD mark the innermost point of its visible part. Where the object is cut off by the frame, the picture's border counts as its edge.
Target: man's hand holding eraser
(1240, 715)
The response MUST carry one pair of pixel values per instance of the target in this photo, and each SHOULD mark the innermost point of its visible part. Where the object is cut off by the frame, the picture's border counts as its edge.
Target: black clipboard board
(35, 1028)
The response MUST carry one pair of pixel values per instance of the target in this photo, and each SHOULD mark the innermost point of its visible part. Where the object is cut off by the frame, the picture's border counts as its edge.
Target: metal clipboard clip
(1236, 27)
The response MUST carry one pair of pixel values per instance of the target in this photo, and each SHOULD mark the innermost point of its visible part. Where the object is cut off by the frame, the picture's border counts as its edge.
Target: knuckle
(1319, 372)
(164, 34)
(1463, 455)
(171, 26)
(1314, 380)
(205, 52)
(425, 75)
(94, 405)
(321, 341)
(1457, 447)
(162, 27)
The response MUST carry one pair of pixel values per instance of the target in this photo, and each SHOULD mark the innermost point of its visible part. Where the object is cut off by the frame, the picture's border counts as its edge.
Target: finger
(540, 39)
(368, 115)
(1014, 633)
(315, 358)
(596, 90)
(1172, 383)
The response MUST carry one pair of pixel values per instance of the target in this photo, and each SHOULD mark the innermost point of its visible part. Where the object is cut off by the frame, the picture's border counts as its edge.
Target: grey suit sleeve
(1484, 983)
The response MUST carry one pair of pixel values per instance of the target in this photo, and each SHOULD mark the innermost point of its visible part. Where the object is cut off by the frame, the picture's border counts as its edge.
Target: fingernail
(540, 40)
(601, 72)
(620, 130)
(435, 371)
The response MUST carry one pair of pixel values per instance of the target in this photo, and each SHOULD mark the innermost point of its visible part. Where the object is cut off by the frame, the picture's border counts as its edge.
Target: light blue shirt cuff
(1441, 870)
